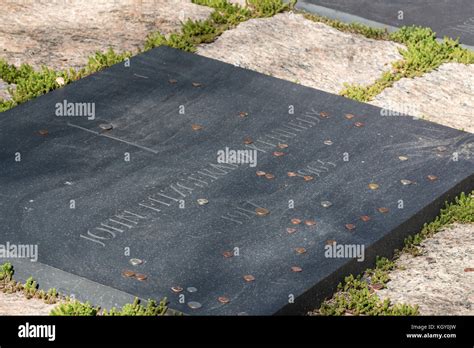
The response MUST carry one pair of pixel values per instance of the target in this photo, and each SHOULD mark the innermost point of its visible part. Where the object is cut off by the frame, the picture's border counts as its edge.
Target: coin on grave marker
(359, 124)
(349, 116)
(228, 254)
(403, 158)
(324, 114)
(296, 269)
(176, 289)
(269, 176)
(291, 230)
(106, 126)
(326, 204)
(373, 186)
(249, 278)
(141, 277)
(383, 210)
(292, 174)
(136, 262)
(310, 222)
(282, 146)
(192, 289)
(223, 299)
(328, 142)
(202, 201)
(295, 221)
(350, 227)
(172, 81)
(128, 274)
(197, 84)
(365, 218)
(261, 173)
(432, 177)
(308, 178)
(194, 305)
(243, 114)
(406, 182)
(262, 211)
(278, 154)
(248, 141)
(196, 127)
(300, 250)
(43, 132)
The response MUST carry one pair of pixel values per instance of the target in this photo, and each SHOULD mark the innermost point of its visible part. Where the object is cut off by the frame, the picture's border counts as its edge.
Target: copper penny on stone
(269, 176)
(300, 250)
(295, 221)
(310, 222)
(373, 186)
(296, 269)
(291, 230)
(249, 278)
(261, 173)
(43, 132)
(432, 177)
(141, 277)
(383, 210)
(228, 254)
(248, 141)
(177, 289)
(349, 116)
(243, 114)
(350, 227)
(282, 146)
(292, 174)
(262, 212)
(223, 299)
(173, 81)
(197, 84)
(128, 274)
(196, 127)
(324, 114)
(278, 154)
(365, 218)
(308, 178)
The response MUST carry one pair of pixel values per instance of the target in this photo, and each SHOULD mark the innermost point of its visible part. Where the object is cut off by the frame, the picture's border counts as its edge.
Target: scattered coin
(290, 230)
(194, 305)
(296, 269)
(202, 201)
(328, 142)
(196, 127)
(282, 146)
(432, 177)
(349, 116)
(383, 210)
(403, 158)
(406, 182)
(295, 221)
(243, 114)
(223, 300)
(228, 254)
(177, 289)
(262, 211)
(300, 250)
(197, 84)
(308, 178)
(249, 278)
(373, 186)
(359, 124)
(261, 173)
(43, 132)
(365, 218)
(128, 274)
(326, 204)
(135, 262)
(269, 176)
(350, 227)
(141, 277)
(106, 126)
(173, 81)
(248, 141)
(324, 114)
(292, 174)
(310, 222)
(191, 289)
(278, 154)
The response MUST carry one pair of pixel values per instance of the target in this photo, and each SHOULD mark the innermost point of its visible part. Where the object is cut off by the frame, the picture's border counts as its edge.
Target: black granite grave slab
(452, 18)
(92, 198)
